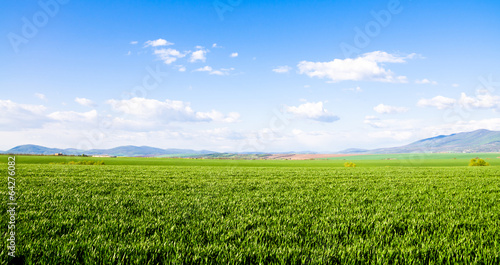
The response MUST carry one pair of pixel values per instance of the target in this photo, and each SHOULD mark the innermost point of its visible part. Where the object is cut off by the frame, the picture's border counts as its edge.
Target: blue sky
(231, 75)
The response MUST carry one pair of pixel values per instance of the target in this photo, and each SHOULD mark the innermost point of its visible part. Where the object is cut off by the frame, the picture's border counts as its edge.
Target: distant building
(58, 154)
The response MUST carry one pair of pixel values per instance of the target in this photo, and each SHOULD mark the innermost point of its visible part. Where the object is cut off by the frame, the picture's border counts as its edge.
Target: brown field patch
(305, 156)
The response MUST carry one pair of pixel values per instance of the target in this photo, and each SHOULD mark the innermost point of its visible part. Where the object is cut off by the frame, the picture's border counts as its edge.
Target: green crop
(232, 215)
(393, 160)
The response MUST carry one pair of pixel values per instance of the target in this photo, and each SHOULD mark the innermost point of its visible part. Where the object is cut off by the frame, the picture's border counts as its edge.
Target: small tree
(349, 164)
(478, 162)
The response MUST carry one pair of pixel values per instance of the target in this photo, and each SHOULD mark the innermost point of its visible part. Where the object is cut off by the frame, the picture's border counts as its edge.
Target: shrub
(349, 164)
(478, 162)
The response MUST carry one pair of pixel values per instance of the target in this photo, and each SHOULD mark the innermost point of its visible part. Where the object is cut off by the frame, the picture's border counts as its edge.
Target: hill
(128, 150)
(478, 141)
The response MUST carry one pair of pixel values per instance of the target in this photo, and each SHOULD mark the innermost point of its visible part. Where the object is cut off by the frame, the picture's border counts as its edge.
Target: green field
(452, 159)
(183, 211)
(398, 160)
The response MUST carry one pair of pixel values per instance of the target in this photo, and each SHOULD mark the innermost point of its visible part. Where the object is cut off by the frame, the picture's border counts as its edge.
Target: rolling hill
(470, 142)
(129, 150)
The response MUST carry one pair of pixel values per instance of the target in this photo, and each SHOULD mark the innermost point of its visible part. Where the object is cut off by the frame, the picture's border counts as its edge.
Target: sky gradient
(246, 76)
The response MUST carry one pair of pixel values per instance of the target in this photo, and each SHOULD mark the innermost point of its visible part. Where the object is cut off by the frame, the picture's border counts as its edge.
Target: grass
(395, 160)
(206, 213)
(418, 156)
(418, 160)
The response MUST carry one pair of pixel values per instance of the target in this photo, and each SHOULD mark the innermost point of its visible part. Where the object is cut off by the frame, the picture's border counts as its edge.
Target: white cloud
(313, 140)
(134, 42)
(367, 67)
(374, 122)
(483, 100)
(425, 81)
(149, 107)
(20, 116)
(168, 56)
(222, 71)
(72, 116)
(216, 46)
(217, 72)
(128, 53)
(455, 85)
(313, 111)
(131, 125)
(463, 126)
(40, 96)
(167, 111)
(158, 42)
(386, 109)
(392, 124)
(438, 102)
(233, 55)
(181, 68)
(7, 106)
(85, 102)
(391, 134)
(391, 129)
(204, 69)
(199, 55)
(221, 134)
(354, 89)
(210, 70)
(282, 69)
(384, 57)
(217, 116)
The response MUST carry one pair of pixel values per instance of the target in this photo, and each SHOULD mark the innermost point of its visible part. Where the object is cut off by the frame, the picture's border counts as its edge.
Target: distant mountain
(33, 150)
(353, 151)
(470, 142)
(129, 150)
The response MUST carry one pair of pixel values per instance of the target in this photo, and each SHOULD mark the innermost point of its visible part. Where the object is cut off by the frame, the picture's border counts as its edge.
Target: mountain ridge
(127, 150)
(477, 141)
(471, 142)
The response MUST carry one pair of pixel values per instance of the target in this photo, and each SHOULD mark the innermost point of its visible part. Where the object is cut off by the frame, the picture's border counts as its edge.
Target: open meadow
(180, 211)
(250, 132)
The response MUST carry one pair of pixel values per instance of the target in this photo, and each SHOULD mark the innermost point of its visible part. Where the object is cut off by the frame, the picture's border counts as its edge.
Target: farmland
(399, 160)
(210, 211)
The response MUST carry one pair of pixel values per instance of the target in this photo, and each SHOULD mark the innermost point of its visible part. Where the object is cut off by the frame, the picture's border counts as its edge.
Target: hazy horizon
(229, 151)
